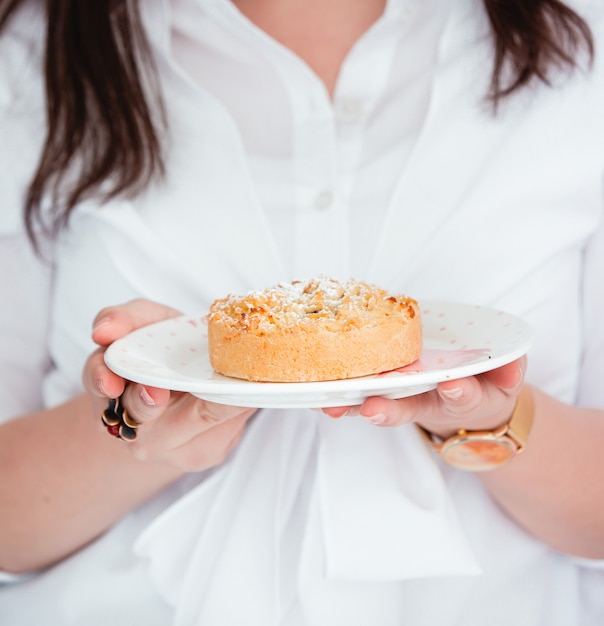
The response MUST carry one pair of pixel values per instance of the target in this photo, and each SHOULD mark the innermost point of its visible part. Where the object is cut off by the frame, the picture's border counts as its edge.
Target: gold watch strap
(521, 421)
(517, 428)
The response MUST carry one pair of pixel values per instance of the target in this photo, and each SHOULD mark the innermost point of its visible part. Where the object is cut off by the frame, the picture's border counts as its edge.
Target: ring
(118, 422)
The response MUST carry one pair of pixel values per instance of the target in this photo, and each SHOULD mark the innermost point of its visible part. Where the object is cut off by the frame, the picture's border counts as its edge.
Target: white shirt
(24, 279)
(405, 180)
(309, 155)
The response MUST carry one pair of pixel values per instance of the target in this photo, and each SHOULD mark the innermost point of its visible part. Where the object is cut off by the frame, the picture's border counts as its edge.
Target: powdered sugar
(297, 303)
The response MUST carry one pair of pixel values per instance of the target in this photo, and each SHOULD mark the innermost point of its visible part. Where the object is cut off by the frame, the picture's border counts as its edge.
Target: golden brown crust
(315, 330)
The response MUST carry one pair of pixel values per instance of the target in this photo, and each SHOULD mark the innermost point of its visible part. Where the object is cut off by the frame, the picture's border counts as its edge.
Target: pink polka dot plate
(459, 340)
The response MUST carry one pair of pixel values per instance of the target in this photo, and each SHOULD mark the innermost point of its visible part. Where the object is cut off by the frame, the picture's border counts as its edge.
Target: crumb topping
(323, 301)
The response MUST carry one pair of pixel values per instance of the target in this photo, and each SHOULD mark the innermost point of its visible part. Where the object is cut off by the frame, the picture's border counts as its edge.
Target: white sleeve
(24, 293)
(22, 111)
(24, 278)
(591, 386)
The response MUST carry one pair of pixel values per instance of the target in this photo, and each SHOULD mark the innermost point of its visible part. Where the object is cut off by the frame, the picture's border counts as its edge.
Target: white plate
(459, 340)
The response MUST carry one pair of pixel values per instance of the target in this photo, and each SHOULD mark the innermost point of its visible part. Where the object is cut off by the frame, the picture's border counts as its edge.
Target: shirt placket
(328, 146)
(363, 81)
(320, 232)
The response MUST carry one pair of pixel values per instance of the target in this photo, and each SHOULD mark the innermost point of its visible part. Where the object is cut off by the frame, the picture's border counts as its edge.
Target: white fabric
(236, 521)
(236, 518)
(21, 112)
(497, 211)
(24, 359)
(24, 278)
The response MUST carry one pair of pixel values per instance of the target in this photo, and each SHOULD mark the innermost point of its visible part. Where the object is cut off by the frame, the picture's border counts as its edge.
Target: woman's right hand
(66, 480)
(176, 428)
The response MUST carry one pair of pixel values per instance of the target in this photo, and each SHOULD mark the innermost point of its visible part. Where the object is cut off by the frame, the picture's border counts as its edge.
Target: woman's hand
(481, 402)
(175, 428)
(66, 480)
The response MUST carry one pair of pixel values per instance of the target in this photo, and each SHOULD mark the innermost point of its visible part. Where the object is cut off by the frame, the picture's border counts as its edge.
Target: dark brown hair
(104, 114)
(530, 38)
(103, 107)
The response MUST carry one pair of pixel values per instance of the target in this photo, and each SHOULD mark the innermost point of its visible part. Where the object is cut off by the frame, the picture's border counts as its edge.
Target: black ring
(118, 422)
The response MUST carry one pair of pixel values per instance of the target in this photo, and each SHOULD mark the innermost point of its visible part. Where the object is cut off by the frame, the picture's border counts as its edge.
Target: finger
(472, 402)
(177, 429)
(146, 404)
(508, 377)
(182, 422)
(386, 412)
(458, 399)
(214, 412)
(488, 397)
(430, 407)
(172, 418)
(211, 447)
(117, 321)
(339, 411)
(99, 380)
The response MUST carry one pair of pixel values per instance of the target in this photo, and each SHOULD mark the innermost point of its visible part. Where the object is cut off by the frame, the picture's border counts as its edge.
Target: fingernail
(377, 419)
(520, 377)
(339, 415)
(146, 398)
(452, 394)
(102, 321)
(100, 385)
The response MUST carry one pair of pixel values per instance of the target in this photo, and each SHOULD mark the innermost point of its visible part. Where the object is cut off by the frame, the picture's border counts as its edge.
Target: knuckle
(204, 412)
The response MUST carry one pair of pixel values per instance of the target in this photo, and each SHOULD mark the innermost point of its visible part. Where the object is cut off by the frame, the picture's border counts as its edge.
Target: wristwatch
(483, 450)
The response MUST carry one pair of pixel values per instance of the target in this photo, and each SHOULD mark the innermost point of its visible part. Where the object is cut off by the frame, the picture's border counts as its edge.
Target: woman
(372, 141)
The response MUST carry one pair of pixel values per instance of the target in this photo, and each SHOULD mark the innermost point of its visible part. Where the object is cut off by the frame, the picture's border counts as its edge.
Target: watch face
(478, 453)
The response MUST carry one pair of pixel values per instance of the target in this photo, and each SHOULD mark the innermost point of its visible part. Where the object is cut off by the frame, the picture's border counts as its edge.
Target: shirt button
(350, 108)
(323, 201)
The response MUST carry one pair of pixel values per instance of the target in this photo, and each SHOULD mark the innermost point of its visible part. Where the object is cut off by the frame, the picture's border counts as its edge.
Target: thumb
(115, 322)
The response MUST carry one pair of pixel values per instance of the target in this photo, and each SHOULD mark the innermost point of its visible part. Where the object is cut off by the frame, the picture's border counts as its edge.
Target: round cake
(313, 330)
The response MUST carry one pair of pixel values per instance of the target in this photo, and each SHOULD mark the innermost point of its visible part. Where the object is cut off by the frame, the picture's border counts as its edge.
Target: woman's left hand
(481, 402)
